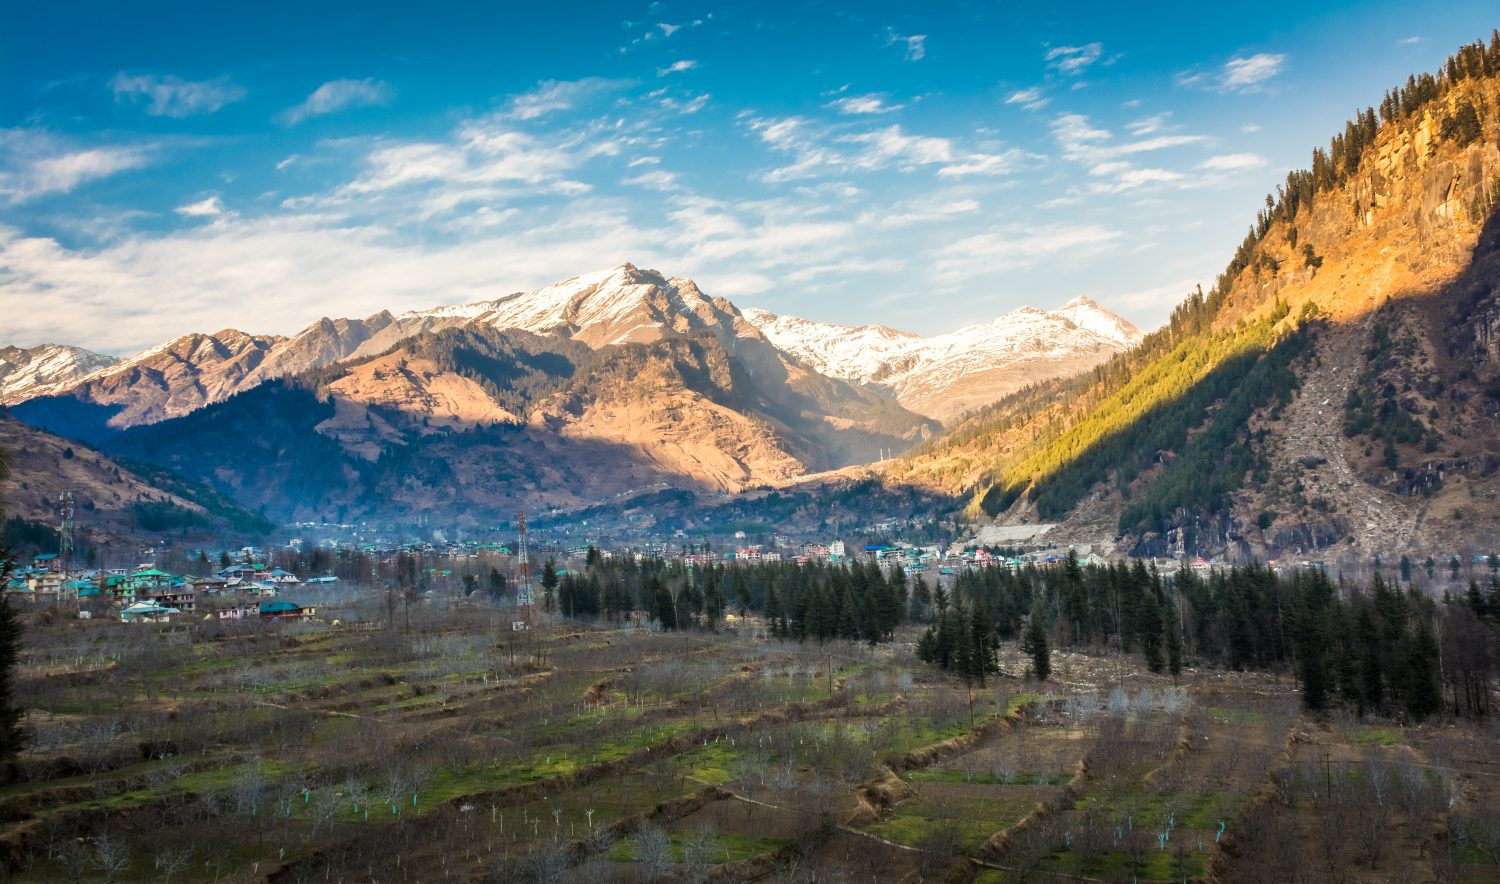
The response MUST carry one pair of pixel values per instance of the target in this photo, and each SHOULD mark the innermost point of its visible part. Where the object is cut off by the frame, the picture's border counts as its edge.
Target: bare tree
(653, 851)
(171, 860)
(110, 857)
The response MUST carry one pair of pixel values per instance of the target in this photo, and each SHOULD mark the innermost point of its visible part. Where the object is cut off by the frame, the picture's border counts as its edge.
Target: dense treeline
(1377, 650)
(818, 601)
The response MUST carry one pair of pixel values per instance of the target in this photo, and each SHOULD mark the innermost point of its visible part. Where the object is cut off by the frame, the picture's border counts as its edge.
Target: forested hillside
(1332, 387)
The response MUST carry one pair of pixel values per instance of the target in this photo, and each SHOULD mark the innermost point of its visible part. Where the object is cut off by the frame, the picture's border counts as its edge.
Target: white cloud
(168, 96)
(1409, 41)
(1232, 162)
(930, 210)
(34, 163)
(984, 164)
(688, 106)
(1107, 158)
(1148, 125)
(559, 95)
(915, 44)
(668, 30)
(1248, 73)
(1031, 99)
(676, 67)
(863, 104)
(210, 207)
(1073, 60)
(337, 95)
(817, 150)
(893, 147)
(1019, 246)
(656, 179)
(1240, 74)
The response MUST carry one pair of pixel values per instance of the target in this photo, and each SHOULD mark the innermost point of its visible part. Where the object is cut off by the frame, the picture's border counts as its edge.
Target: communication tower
(524, 601)
(65, 532)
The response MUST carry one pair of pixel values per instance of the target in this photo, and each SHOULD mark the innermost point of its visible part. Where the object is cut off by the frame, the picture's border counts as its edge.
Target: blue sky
(175, 167)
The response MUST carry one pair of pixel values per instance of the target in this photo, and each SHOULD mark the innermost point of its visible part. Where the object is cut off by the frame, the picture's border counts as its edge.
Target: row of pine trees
(1377, 649)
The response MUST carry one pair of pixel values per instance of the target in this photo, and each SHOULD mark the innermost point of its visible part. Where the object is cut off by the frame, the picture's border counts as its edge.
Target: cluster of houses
(146, 594)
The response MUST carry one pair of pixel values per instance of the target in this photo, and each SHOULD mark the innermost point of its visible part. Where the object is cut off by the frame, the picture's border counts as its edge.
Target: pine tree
(549, 584)
(664, 610)
(775, 618)
(1174, 646)
(12, 737)
(1034, 644)
(1421, 692)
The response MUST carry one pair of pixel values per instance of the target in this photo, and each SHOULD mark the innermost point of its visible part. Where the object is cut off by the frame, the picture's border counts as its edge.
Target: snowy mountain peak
(1088, 314)
(946, 375)
(44, 369)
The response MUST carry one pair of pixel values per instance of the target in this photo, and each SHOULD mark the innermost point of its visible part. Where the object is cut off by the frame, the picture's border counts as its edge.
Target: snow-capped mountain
(1086, 314)
(946, 375)
(622, 305)
(940, 377)
(856, 353)
(45, 369)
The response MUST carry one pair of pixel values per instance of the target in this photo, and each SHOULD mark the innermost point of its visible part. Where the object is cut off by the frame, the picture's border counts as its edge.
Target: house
(326, 580)
(285, 610)
(184, 598)
(147, 612)
(46, 562)
(240, 612)
(147, 581)
(210, 584)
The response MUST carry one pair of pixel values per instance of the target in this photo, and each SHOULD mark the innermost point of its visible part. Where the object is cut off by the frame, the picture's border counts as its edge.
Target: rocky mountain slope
(945, 376)
(115, 501)
(26, 373)
(1338, 388)
(479, 421)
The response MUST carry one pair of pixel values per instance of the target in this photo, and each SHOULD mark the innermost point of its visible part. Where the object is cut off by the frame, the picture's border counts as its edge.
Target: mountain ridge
(946, 375)
(1358, 313)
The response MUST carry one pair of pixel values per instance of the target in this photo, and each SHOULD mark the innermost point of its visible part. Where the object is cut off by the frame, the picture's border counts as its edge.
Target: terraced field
(448, 750)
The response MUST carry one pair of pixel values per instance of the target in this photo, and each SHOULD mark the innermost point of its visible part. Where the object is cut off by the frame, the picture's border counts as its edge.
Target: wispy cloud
(685, 105)
(337, 95)
(1017, 246)
(1232, 162)
(815, 150)
(1073, 60)
(656, 179)
(915, 44)
(551, 96)
(1248, 73)
(168, 96)
(676, 67)
(863, 104)
(35, 163)
(892, 146)
(927, 210)
(210, 207)
(1240, 74)
(1031, 99)
(1148, 125)
(1108, 159)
